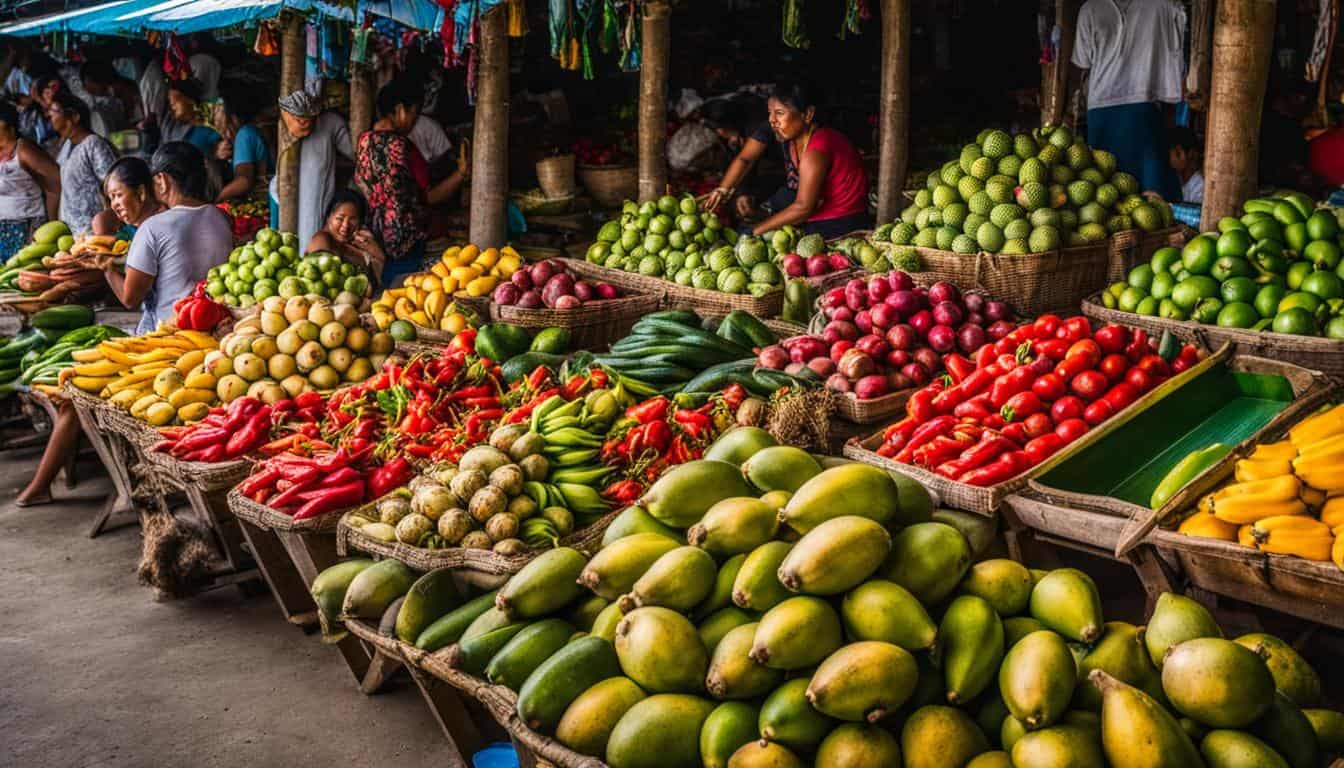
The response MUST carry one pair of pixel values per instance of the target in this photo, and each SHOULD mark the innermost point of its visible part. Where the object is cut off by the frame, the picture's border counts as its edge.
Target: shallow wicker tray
(204, 475)
(677, 296)
(1134, 246)
(592, 326)
(270, 519)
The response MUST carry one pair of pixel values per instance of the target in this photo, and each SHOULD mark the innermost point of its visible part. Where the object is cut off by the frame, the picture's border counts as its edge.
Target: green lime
(1298, 272)
(216, 288)
(1295, 320)
(1234, 243)
(1163, 282)
(1206, 311)
(1181, 274)
(1239, 289)
(1295, 236)
(1227, 267)
(1286, 213)
(1323, 253)
(1131, 298)
(1253, 216)
(1270, 257)
(1327, 285)
(1147, 307)
(1322, 226)
(1108, 300)
(1229, 223)
(1141, 276)
(1115, 289)
(1265, 229)
(669, 205)
(1199, 254)
(1192, 290)
(401, 330)
(1237, 314)
(1169, 310)
(1164, 258)
(1300, 299)
(1335, 328)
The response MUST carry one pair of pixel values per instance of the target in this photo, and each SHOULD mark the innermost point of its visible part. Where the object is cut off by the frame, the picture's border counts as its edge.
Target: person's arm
(752, 150)
(244, 176)
(813, 169)
(449, 187)
(105, 223)
(321, 241)
(130, 288)
(44, 170)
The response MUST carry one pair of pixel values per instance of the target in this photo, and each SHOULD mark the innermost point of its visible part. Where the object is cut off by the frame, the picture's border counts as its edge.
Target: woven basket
(706, 303)
(873, 411)
(592, 326)
(1134, 246)
(350, 538)
(556, 176)
(134, 431)
(204, 475)
(388, 646)
(270, 519)
(421, 347)
(1312, 352)
(610, 185)
(242, 313)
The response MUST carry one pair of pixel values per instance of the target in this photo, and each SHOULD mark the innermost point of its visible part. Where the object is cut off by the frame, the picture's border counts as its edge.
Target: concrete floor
(94, 672)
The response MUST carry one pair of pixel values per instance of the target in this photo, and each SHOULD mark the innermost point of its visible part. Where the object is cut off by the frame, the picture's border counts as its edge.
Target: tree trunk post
(490, 134)
(656, 31)
(1242, 36)
(292, 53)
(893, 109)
(1055, 75)
(361, 102)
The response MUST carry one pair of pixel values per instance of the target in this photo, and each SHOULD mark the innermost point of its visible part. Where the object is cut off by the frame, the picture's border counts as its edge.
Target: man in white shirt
(1133, 52)
(429, 137)
(321, 135)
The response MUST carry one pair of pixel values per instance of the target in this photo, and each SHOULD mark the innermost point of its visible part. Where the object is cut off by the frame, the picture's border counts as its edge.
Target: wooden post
(1243, 32)
(292, 53)
(656, 32)
(361, 102)
(893, 109)
(490, 133)
(1055, 75)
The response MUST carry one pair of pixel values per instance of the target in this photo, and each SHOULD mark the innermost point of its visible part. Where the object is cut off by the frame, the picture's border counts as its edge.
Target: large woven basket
(1312, 352)
(593, 326)
(1134, 246)
(269, 519)
(610, 185)
(556, 175)
(203, 475)
(351, 538)
(707, 303)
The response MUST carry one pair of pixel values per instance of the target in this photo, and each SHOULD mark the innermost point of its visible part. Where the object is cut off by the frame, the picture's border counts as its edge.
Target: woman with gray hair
(320, 136)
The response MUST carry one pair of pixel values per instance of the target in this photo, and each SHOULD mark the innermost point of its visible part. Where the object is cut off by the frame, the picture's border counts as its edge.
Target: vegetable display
(1027, 193)
(1277, 268)
(160, 378)
(549, 284)
(198, 312)
(1028, 395)
(270, 265)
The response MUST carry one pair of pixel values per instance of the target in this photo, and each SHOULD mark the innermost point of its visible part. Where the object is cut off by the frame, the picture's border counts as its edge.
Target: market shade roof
(134, 17)
(60, 22)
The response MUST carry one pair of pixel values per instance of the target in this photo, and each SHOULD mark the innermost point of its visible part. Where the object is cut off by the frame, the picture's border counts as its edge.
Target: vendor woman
(827, 189)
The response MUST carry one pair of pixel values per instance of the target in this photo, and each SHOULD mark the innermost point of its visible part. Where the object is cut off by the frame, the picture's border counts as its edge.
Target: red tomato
(1072, 366)
(1038, 424)
(1112, 338)
(1067, 407)
(1074, 329)
(1114, 366)
(1139, 379)
(1046, 326)
(1023, 404)
(1087, 349)
(1049, 387)
(1089, 385)
(1139, 345)
(1154, 365)
(1071, 429)
(1041, 448)
(1098, 412)
(1055, 349)
(1121, 395)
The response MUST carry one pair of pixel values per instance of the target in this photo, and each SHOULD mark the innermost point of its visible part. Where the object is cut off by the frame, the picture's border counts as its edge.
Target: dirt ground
(94, 672)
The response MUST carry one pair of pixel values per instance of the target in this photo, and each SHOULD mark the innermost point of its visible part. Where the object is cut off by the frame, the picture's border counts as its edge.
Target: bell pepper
(251, 434)
(390, 476)
(694, 423)
(653, 409)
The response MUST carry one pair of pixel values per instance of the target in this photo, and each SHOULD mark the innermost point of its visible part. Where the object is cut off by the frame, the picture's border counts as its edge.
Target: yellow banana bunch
(1283, 450)
(1332, 512)
(1319, 427)
(1203, 523)
(1298, 535)
(1337, 550)
(1323, 469)
(1249, 470)
(1243, 503)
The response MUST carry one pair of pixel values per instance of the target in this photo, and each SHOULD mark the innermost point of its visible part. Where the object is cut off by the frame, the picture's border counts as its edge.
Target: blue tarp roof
(134, 17)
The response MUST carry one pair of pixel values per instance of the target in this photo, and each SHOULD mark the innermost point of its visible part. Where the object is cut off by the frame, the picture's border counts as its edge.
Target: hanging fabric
(175, 64)
(610, 36)
(590, 19)
(266, 44)
(559, 26)
(631, 41)
(1327, 24)
(517, 18)
(794, 26)
(360, 55)
(856, 12)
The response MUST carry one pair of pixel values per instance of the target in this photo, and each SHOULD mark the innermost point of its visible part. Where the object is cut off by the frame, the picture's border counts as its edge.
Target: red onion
(902, 337)
(905, 302)
(838, 383)
(839, 348)
(773, 357)
(793, 265)
(943, 291)
(999, 329)
(971, 337)
(997, 310)
(942, 338)
(506, 294)
(870, 387)
(822, 366)
(916, 373)
(900, 281)
(921, 321)
(926, 357)
(872, 345)
(864, 320)
(878, 289)
(947, 313)
(818, 265)
(883, 316)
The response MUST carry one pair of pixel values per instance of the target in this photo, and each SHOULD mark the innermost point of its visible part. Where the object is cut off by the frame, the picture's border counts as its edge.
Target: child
(1185, 153)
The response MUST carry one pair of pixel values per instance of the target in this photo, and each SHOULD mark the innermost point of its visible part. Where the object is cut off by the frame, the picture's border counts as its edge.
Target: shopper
(242, 147)
(183, 121)
(321, 136)
(84, 158)
(103, 82)
(1186, 155)
(1134, 56)
(129, 188)
(393, 176)
(30, 184)
(174, 249)
(346, 236)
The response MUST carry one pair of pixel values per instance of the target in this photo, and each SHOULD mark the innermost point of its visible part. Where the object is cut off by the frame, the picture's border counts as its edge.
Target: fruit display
(43, 367)
(549, 284)
(762, 610)
(57, 268)
(161, 378)
(1025, 194)
(1283, 498)
(1029, 395)
(294, 345)
(886, 334)
(1277, 268)
(270, 265)
(426, 298)
(36, 357)
(800, 255)
(673, 240)
(878, 260)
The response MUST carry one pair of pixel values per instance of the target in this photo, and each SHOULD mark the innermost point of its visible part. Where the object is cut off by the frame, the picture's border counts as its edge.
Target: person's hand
(368, 244)
(224, 149)
(464, 159)
(745, 206)
(715, 199)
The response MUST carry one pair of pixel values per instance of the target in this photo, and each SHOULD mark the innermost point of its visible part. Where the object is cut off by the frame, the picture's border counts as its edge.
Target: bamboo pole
(1055, 75)
(894, 108)
(490, 133)
(361, 102)
(656, 32)
(292, 53)
(1242, 36)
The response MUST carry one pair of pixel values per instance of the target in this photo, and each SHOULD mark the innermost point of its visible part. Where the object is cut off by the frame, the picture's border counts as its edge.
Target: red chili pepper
(333, 498)
(464, 341)
(623, 491)
(958, 366)
(975, 408)
(1055, 349)
(467, 393)
(940, 425)
(1009, 384)
(250, 435)
(904, 427)
(392, 475)
(733, 395)
(491, 401)
(978, 381)
(1021, 405)
(653, 409)
(994, 421)
(985, 356)
(696, 424)
(1043, 447)
(599, 378)
(1004, 468)
(990, 446)
(264, 479)
(539, 376)
(940, 449)
(920, 406)
(1017, 432)
(677, 451)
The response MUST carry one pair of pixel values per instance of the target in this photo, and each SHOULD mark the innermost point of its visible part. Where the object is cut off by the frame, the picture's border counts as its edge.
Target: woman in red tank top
(831, 198)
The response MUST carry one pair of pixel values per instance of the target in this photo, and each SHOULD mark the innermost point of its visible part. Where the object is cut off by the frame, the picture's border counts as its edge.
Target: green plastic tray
(1220, 405)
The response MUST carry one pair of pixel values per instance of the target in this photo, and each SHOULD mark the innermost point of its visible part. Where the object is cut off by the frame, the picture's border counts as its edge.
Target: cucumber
(387, 626)
(717, 377)
(728, 329)
(512, 665)
(487, 622)
(559, 680)
(683, 316)
(472, 656)
(757, 332)
(67, 317)
(665, 374)
(430, 597)
(519, 366)
(448, 629)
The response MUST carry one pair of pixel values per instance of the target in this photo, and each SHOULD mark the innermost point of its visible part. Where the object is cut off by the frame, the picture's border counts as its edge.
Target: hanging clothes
(856, 12)
(794, 26)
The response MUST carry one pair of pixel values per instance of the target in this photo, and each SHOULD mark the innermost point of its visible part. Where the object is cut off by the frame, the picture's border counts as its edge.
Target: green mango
(939, 737)
(613, 571)
(1285, 728)
(1329, 727)
(680, 580)
(787, 718)
(604, 626)
(661, 731)
(863, 681)
(835, 556)
(850, 489)
(721, 596)
(589, 720)
(797, 633)
(735, 526)
(1121, 654)
(713, 628)
(682, 496)
(980, 531)
(1175, 619)
(1138, 732)
(730, 726)
(1005, 584)
(543, 586)
(732, 672)
(1066, 600)
(929, 560)
(858, 745)
(970, 647)
(660, 650)
(1037, 679)
(765, 754)
(1217, 682)
(1234, 749)
(780, 468)
(757, 587)
(1293, 676)
(635, 520)
(1017, 627)
(883, 610)
(739, 444)
(1060, 746)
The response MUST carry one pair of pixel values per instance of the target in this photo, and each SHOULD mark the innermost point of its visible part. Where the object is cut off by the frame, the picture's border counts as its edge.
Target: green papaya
(472, 655)
(851, 489)
(682, 496)
(858, 745)
(1217, 682)
(1293, 676)
(447, 629)
(1037, 679)
(731, 725)
(1137, 731)
(661, 651)
(862, 681)
(431, 596)
(883, 610)
(787, 718)
(1059, 746)
(1066, 600)
(679, 580)
(940, 737)
(1121, 654)
(970, 647)
(661, 731)
(1285, 728)
(613, 571)
(1006, 584)
(721, 596)
(734, 526)
(583, 613)
(560, 679)
(928, 559)
(588, 721)
(375, 587)
(328, 591)
(780, 468)
(733, 674)
(980, 531)
(633, 519)
(1017, 627)
(546, 584)
(521, 655)
(719, 624)
(1235, 749)
(739, 444)
(835, 556)
(757, 586)
(1175, 619)
(797, 633)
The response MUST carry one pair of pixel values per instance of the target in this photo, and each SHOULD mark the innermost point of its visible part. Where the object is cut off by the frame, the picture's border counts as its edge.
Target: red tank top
(845, 191)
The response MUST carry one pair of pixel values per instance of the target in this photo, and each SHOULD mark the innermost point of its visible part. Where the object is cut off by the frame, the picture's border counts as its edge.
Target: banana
(1332, 512)
(1283, 449)
(92, 355)
(189, 360)
(1325, 475)
(1206, 525)
(1246, 536)
(1302, 536)
(98, 369)
(155, 356)
(1247, 502)
(1337, 550)
(92, 384)
(131, 381)
(1318, 427)
(153, 367)
(1249, 470)
(1312, 497)
(117, 355)
(184, 396)
(198, 339)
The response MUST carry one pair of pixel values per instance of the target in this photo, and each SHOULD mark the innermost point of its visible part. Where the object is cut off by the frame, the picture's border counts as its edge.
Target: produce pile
(1277, 268)
(673, 240)
(878, 261)
(36, 356)
(800, 255)
(784, 614)
(426, 298)
(293, 345)
(1025, 194)
(161, 377)
(1027, 396)
(270, 265)
(886, 334)
(63, 269)
(549, 284)
(1285, 497)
